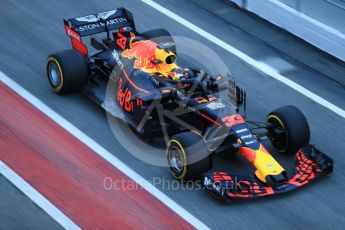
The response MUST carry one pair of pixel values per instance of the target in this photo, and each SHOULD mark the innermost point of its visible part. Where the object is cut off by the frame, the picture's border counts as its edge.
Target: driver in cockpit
(181, 73)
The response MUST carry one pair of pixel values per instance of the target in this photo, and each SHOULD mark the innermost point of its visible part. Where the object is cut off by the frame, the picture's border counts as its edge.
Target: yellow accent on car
(165, 68)
(266, 165)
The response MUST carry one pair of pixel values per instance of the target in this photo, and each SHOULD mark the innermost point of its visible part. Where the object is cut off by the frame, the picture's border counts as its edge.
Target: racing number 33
(124, 98)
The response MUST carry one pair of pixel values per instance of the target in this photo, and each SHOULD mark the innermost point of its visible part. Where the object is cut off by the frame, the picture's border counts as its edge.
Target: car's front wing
(310, 164)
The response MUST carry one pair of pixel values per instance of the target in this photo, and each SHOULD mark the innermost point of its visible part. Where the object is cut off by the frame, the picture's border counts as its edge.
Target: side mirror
(218, 83)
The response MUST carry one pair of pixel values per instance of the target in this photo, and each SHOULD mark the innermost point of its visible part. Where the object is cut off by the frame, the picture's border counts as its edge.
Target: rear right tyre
(159, 36)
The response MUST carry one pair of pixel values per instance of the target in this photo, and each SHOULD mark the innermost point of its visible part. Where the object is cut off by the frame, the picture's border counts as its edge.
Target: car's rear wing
(101, 22)
(88, 25)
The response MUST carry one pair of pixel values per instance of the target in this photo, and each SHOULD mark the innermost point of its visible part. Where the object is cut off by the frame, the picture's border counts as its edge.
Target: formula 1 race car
(135, 77)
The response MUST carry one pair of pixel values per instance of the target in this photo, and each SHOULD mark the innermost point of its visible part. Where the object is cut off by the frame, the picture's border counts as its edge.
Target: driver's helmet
(181, 73)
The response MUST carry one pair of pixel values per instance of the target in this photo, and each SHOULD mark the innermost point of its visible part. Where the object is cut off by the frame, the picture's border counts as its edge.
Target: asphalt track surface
(30, 30)
(12, 202)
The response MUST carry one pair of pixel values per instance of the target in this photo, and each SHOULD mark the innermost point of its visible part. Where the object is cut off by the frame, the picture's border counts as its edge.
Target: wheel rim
(279, 141)
(54, 74)
(176, 159)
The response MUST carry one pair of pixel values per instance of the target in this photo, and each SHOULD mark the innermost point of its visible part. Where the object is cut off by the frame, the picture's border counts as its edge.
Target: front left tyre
(188, 156)
(67, 71)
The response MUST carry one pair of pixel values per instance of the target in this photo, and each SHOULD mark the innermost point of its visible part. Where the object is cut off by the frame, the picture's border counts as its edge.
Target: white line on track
(102, 152)
(37, 197)
(262, 67)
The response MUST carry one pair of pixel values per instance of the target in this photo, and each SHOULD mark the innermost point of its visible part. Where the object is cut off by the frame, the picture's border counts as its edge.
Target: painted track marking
(37, 198)
(102, 152)
(262, 67)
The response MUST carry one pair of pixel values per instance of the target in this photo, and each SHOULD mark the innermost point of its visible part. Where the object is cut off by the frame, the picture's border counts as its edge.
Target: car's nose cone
(276, 180)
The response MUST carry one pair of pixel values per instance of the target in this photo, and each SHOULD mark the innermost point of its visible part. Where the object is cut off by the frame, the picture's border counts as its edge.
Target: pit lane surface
(16, 206)
(30, 31)
(81, 183)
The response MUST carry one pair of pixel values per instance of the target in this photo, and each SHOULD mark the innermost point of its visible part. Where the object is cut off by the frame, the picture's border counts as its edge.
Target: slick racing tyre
(67, 71)
(289, 129)
(188, 156)
(159, 36)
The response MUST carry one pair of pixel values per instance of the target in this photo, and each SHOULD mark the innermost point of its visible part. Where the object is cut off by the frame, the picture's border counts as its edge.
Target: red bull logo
(144, 53)
(148, 57)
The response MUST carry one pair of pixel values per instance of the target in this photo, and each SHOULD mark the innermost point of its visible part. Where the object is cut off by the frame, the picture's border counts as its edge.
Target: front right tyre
(288, 129)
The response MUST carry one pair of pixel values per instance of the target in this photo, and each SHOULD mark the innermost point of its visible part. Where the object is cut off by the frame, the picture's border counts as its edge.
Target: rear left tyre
(67, 71)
